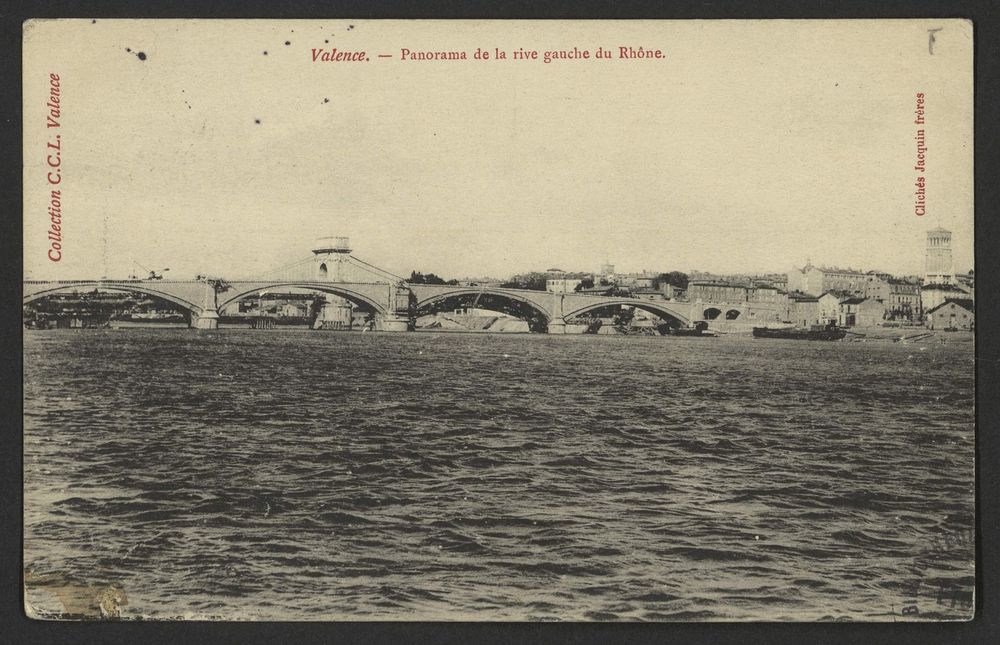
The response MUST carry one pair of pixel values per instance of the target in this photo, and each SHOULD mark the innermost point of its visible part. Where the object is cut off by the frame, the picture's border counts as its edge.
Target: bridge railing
(105, 281)
(294, 282)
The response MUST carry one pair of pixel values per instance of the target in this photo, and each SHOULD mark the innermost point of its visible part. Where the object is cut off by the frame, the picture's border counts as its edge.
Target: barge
(816, 332)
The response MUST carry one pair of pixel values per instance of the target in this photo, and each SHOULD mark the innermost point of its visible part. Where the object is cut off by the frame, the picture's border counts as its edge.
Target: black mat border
(985, 628)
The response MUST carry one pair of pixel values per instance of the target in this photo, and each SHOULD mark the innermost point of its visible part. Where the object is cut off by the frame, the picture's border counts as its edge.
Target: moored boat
(816, 332)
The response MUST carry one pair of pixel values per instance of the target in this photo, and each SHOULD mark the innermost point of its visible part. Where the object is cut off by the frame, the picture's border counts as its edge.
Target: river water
(306, 475)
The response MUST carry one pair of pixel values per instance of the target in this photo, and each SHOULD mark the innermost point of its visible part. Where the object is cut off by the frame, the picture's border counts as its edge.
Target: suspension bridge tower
(330, 255)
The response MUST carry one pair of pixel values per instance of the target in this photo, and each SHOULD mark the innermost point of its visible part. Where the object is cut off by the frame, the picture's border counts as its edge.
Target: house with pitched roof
(958, 313)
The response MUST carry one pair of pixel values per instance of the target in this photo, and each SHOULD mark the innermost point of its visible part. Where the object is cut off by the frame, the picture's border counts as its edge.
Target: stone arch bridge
(394, 304)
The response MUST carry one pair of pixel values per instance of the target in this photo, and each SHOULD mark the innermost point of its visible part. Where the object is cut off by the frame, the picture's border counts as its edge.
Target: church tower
(939, 268)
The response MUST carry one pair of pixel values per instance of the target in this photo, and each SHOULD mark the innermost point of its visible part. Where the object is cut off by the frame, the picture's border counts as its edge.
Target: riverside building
(816, 281)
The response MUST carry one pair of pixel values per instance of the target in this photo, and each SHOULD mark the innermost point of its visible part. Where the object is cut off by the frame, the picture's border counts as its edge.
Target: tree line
(535, 280)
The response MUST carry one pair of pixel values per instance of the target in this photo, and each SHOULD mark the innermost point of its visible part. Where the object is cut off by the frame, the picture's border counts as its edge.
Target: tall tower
(330, 255)
(939, 268)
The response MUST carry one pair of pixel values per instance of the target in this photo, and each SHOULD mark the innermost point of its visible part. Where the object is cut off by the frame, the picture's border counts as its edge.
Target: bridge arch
(236, 294)
(505, 294)
(535, 314)
(733, 314)
(711, 313)
(128, 287)
(646, 305)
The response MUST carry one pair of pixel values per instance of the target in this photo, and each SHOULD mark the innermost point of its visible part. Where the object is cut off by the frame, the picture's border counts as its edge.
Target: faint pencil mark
(931, 39)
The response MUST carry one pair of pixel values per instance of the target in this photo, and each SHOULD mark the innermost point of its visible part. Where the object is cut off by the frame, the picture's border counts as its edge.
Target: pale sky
(751, 146)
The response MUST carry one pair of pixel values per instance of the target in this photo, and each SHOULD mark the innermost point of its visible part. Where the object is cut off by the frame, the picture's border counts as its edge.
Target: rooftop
(839, 270)
(964, 303)
(718, 283)
(942, 287)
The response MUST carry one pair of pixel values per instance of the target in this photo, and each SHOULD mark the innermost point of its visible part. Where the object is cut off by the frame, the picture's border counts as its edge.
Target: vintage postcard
(499, 320)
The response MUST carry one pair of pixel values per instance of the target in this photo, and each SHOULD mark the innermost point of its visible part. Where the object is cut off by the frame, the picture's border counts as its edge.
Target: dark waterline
(256, 475)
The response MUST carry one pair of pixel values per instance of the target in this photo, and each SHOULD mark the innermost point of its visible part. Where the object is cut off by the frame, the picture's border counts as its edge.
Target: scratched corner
(29, 25)
(967, 613)
(35, 608)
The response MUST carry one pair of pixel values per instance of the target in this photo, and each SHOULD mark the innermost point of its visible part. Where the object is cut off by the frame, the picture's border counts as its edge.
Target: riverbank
(504, 325)
(915, 335)
(906, 335)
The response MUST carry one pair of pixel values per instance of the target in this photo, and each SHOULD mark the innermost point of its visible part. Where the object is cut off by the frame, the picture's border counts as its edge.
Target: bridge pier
(557, 326)
(207, 319)
(393, 323)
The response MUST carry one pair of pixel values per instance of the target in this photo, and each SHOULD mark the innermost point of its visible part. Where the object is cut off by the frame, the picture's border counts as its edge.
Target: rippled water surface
(304, 476)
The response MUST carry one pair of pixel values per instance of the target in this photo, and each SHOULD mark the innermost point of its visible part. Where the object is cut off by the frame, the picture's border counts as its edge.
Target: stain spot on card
(78, 599)
(288, 42)
(326, 100)
(141, 55)
(257, 121)
(265, 52)
(931, 39)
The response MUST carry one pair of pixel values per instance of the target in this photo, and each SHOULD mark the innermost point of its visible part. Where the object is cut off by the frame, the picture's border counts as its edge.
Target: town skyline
(127, 267)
